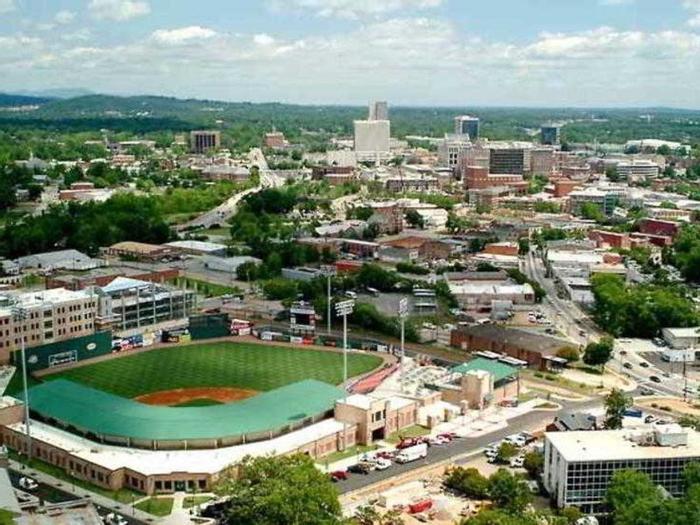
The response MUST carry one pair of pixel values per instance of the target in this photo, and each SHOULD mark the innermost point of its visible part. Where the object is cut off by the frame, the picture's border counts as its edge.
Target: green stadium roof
(104, 414)
(499, 370)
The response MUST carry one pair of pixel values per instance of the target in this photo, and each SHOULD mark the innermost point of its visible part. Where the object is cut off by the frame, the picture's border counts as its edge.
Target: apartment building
(579, 465)
(49, 316)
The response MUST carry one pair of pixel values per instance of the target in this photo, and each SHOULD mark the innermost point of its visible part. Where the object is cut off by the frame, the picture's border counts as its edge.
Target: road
(640, 359)
(228, 208)
(570, 317)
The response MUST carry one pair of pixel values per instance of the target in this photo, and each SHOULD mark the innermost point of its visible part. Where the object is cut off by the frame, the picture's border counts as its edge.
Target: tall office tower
(378, 111)
(467, 125)
(202, 141)
(550, 134)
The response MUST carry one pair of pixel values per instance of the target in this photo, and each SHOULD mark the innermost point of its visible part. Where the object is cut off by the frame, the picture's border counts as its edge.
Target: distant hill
(7, 100)
(56, 92)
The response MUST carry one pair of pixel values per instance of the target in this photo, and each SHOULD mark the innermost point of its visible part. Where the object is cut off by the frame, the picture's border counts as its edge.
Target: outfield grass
(242, 365)
(156, 506)
(414, 431)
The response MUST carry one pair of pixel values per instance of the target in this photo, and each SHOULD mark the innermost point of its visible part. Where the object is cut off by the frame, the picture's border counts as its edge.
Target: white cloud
(7, 6)
(118, 10)
(406, 60)
(354, 9)
(183, 34)
(64, 17)
(263, 39)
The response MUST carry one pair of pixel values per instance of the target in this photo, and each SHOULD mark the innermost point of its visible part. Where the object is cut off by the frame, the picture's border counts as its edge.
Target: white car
(28, 483)
(438, 440)
(382, 464)
(114, 519)
(517, 462)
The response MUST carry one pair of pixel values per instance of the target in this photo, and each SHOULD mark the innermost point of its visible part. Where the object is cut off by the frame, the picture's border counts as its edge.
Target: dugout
(64, 352)
(209, 326)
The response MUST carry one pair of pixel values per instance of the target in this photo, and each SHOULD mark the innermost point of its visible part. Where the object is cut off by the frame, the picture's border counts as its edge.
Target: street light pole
(330, 271)
(344, 308)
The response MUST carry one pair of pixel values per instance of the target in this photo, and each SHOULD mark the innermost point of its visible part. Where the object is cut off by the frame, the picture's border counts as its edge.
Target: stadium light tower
(19, 316)
(329, 271)
(403, 313)
(343, 309)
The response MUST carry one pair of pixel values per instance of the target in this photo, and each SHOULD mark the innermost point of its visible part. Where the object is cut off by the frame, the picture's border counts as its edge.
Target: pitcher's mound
(179, 396)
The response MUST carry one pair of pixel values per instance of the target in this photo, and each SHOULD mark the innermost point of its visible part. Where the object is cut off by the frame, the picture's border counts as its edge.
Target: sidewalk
(122, 508)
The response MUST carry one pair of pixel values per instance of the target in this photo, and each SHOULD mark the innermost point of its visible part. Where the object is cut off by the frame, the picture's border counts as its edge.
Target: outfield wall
(64, 352)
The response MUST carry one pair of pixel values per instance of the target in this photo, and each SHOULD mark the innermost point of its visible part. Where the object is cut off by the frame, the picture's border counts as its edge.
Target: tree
(505, 452)
(592, 212)
(276, 490)
(598, 353)
(468, 481)
(533, 462)
(569, 353)
(508, 491)
(523, 246)
(626, 488)
(612, 174)
(414, 219)
(616, 402)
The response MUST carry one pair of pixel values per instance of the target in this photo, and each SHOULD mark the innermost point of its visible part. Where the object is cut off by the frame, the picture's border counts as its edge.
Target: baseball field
(201, 374)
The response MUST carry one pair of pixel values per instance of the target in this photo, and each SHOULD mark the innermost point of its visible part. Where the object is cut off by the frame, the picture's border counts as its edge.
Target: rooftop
(498, 370)
(609, 445)
(101, 413)
(200, 246)
(530, 341)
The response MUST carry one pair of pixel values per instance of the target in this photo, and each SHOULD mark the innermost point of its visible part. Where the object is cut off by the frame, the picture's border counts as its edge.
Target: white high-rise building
(372, 139)
(378, 110)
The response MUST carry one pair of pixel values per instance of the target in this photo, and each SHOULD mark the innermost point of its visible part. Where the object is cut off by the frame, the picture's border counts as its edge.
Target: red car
(408, 442)
(385, 454)
(339, 475)
(415, 508)
(448, 435)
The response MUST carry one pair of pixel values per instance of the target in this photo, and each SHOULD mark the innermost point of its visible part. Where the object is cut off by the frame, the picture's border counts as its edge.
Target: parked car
(448, 435)
(385, 454)
(627, 365)
(408, 442)
(644, 364)
(350, 294)
(339, 475)
(115, 519)
(517, 462)
(529, 438)
(382, 464)
(655, 379)
(361, 468)
(28, 483)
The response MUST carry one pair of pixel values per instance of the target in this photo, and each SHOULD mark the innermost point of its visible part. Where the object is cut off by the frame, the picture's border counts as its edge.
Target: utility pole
(403, 313)
(19, 315)
(343, 309)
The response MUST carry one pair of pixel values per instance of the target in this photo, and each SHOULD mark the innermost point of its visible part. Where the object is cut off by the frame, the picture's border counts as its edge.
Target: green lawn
(342, 454)
(254, 366)
(156, 506)
(414, 431)
(193, 501)
(205, 288)
(199, 403)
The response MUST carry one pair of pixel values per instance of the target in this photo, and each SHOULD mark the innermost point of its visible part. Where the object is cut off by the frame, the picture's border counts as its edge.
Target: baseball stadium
(196, 396)
(172, 417)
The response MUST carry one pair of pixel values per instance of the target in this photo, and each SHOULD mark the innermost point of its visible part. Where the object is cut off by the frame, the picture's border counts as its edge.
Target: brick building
(537, 350)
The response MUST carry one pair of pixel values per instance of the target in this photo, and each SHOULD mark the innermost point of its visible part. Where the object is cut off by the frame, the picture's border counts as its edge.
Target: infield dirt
(183, 395)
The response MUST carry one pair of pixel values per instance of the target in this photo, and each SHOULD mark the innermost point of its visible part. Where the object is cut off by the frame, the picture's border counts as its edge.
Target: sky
(590, 53)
